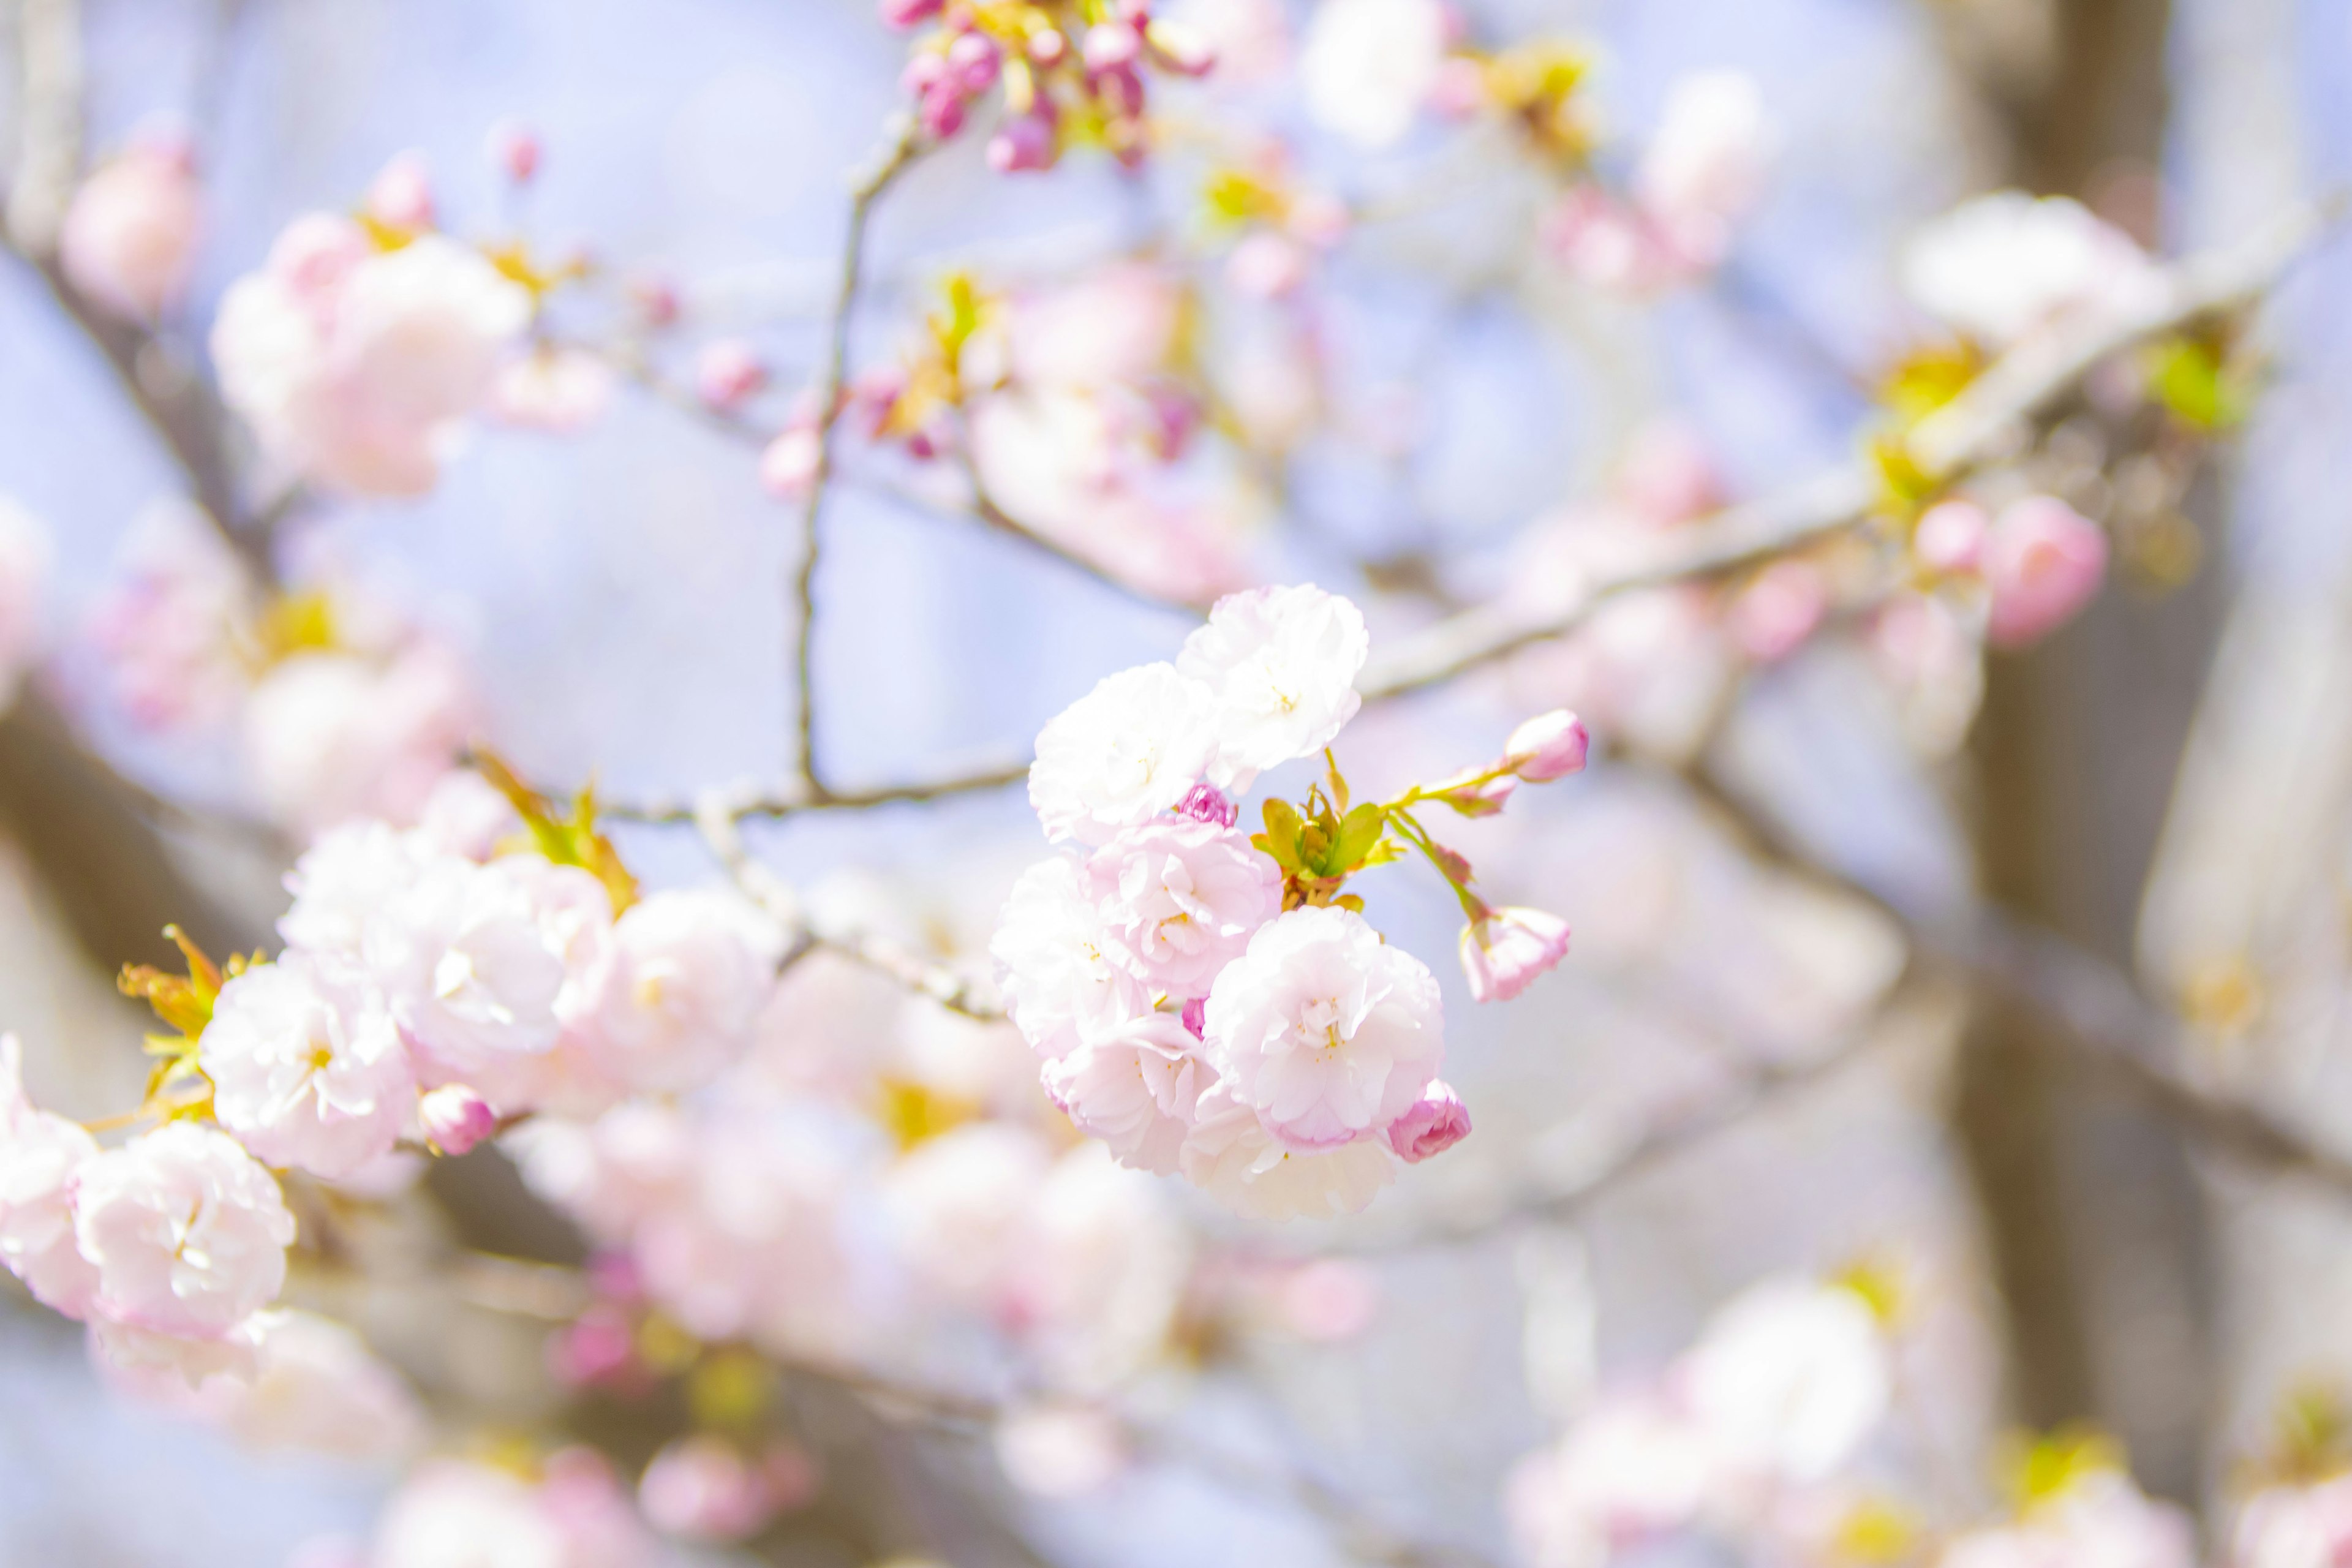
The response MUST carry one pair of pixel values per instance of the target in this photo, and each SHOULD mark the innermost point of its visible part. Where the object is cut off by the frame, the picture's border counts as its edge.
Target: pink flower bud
(727, 373)
(1547, 747)
(1437, 1121)
(401, 195)
(516, 150)
(1110, 46)
(788, 467)
(903, 15)
(1047, 45)
(1453, 865)
(1207, 802)
(655, 299)
(1771, 617)
(973, 61)
(598, 1347)
(1196, 1016)
(1951, 537)
(2045, 560)
(456, 1118)
(1024, 143)
(1503, 952)
(942, 111)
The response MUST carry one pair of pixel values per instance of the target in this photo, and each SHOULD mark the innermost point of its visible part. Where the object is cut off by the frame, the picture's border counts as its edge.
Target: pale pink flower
(2007, 264)
(42, 1156)
(1060, 1450)
(1431, 1125)
(1706, 164)
(188, 1231)
(401, 194)
(1632, 1468)
(175, 1369)
(1280, 664)
(307, 1066)
(727, 373)
(1790, 1378)
(1135, 1086)
(1265, 265)
(2295, 1527)
(1951, 537)
(1109, 1266)
(450, 1513)
(1368, 66)
(788, 464)
(328, 736)
(2099, 1517)
(1183, 898)
(685, 977)
(1065, 976)
(313, 1388)
(1668, 475)
(1782, 605)
(959, 1206)
(464, 815)
(1611, 243)
(350, 886)
(1129, 750)
(2045, 561)
(706, 1488)
(456, 1119)
(516, 150)
(1325, 1030)
(356, 367)
(130, 236)
(1505, 950)
(561, 391)
(1549, 746)
(169, 627)
(1231, 1154)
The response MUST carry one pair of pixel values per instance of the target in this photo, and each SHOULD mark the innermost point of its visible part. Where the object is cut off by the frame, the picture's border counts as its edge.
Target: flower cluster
(363, 344)
(1212, 1001)
(1070, 75)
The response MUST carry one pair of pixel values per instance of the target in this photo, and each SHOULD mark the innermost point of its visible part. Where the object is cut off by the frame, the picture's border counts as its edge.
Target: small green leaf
(1360, 832)
(1316, 841)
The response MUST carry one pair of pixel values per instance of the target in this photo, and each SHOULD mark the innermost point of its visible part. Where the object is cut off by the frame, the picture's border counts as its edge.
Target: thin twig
(749, 802)
(1972, 430)
(894, 160)
(49, 122)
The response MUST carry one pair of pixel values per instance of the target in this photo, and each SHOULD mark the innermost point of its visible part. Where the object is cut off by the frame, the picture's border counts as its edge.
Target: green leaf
(1316, 842)
(1358, 834)
(1282, 826)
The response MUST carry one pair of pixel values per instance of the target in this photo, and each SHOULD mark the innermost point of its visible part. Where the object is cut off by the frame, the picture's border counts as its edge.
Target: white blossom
(1281, 664)
(1136, 1088)
(1123, 754)
(188, 1231)
(1368, 66)
(1232, 1155)
(1064, 975)
(1790, 1378)
(41, 1157)
(307, 1066)
(2008, 264)
(1183, 898)
(683, 981)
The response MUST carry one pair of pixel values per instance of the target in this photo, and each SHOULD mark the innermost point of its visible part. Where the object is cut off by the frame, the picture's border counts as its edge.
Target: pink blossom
(727, 373)
(129, 239)
(1183, 900)
(450, 1513)
(1329, 1033)
(1328, 1301)
(330, 735)
(558, 390)
(2007, 264)
(1781, 606)
(1267, 265)
(456, 1119)
(1207, 802)
(169, 626)
(1704, 166)
(1433, 1123)
(705, 1488)
(2045, 560)
(1136, 1087)
(1632, 1468)
(1951, 536)
(516, 150)
(1790, 1379)
(1547, 747)
(1126, 752)
(1369, 65)
(1668, 475)
(188, 1232)
(2295, 1526)
(685, 977)
(1025, 142)
(401, 196)
(907, 14)
(42, 1157)
(1065, 978)
(1505, 949)
(1280, 664)
(1233, 1155)
(307, 1066)
(788, 464)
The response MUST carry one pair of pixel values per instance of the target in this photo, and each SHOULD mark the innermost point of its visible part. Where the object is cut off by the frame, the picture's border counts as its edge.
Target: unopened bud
(456, 1118)
(1550, 746)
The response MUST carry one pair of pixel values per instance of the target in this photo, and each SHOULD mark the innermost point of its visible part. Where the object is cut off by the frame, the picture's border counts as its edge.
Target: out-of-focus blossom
(329, 736)
(130, 236)
(1431, 1125)
(1951, 536)
(1773, 615)
(516, 150)
(464, 815)
(1790, 1379)
(400, 197)
(687, 973)
(170, 627)
(2007, 264)
(307, 1066)
(312, 1386)
(1233, 1156)
(1505, 950)
(1368, 66)
(357, 366)
(454, 1514)
(1704, 167)
(706, 1488)
(42, 1157)
(552, 388)
(2095, 1516)
(188, 1232)
(1634, 1468)
(1060, 1450)
(1123, 754)
(2295, 1525)
(727, 373)
(788, 464)
(1281, 665)
(2045, 560)
(1327, 1031)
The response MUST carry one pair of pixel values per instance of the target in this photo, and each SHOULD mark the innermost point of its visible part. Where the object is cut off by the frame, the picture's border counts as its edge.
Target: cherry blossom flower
(960, 1201)
(307, 1066)
(2295, 1525)
(1183, 898)
(42, 1156)
(2045, 561)
(684, 979)
(357, 366)
(129, 239)
(2007, 264)
(2097, 1517)
(1368, 66)
(1951, 535)
(454, 1514)
(1238, 1162)
(559, 390)
(169, 626)
(1325, 1030)
(1504, 949)
(1790, 1378)
(1064, 977)
(188, 1232)
(1547, 747)
(1281, 665)
(1634, 1468)
(1135, 1086)
(1431, 1125)
(1126, 752)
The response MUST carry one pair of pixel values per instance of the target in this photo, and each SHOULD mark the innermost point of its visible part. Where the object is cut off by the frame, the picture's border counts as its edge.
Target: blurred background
(1752, 1007)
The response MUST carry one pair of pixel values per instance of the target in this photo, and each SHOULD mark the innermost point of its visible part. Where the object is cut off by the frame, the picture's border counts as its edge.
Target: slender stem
(894, 160)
